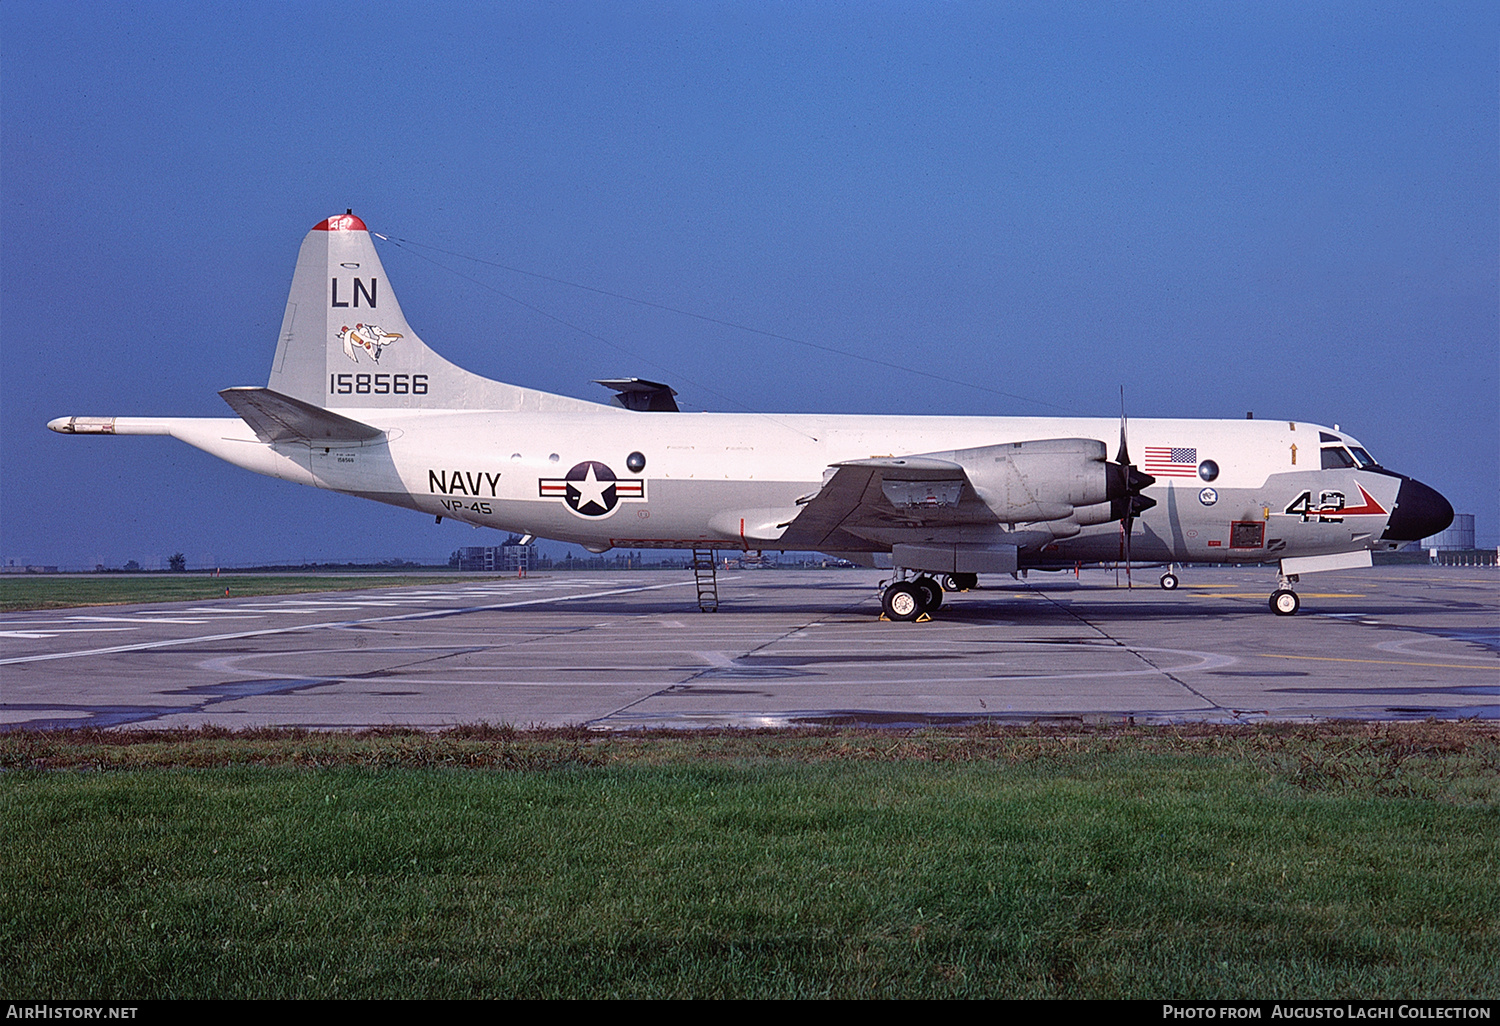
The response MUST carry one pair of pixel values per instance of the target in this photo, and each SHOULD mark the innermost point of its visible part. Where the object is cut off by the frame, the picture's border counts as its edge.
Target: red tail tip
(341, 223)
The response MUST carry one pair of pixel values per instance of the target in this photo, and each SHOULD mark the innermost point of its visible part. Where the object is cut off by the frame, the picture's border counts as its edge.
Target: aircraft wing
(883, 494)
(280, 418)
(955, 496)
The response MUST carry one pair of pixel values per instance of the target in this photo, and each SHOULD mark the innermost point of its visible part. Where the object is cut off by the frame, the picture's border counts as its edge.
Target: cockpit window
(1324, 436)
(1363, 458)
(1335, 458)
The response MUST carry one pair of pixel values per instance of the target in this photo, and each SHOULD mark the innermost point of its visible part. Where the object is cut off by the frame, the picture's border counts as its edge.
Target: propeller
(1125, 487)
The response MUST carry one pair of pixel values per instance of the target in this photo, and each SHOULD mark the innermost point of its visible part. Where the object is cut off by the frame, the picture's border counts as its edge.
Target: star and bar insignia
(591, 489)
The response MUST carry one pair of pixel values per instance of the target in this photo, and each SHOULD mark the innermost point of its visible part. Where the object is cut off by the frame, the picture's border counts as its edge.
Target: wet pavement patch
(1255, 673)
(852, 657)
(752, 673)
(1462, 712)
(104, 716)
(1435, 689)
(93, 716)
(255, 688)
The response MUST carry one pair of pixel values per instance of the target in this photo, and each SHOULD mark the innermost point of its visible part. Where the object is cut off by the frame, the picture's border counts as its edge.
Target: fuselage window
(1335, 458)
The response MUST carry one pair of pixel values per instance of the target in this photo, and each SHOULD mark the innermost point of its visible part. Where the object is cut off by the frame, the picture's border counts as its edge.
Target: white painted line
(425, 615)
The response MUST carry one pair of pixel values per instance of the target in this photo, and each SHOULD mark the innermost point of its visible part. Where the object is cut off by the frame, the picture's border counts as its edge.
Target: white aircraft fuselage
(356, 403)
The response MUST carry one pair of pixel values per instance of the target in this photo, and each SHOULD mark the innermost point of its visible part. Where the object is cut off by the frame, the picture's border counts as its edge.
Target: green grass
(1268, 862)
(46, 592)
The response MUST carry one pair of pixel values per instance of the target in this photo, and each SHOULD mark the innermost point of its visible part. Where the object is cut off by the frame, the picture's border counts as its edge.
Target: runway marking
(1383, 662)
(53, 632)
(1303, 594)
(1207, 661)
(143, 618)
(424, 615)
(1403, 645)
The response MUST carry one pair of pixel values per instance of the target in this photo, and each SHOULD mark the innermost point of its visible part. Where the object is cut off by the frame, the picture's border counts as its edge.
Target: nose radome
(1420, 512)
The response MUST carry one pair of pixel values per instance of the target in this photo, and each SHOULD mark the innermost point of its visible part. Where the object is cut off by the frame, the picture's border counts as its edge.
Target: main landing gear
(911, 600)
(1284, 601)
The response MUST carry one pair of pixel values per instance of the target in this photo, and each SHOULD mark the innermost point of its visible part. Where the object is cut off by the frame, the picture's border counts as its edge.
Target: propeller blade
(1125, 484)
(1132, 502)
(1123, 456)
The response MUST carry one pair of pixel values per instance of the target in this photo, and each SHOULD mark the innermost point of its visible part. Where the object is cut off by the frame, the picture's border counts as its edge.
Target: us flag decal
(1171, 461)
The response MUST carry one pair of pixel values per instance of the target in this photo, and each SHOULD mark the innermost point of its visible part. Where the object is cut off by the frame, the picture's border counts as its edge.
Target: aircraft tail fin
(345, 343)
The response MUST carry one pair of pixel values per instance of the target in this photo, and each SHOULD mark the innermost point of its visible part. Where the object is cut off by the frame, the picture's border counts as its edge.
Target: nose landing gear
(1284, 601)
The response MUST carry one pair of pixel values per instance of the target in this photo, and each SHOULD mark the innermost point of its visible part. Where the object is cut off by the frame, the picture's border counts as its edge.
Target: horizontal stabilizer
(640, 394)
(280, 418)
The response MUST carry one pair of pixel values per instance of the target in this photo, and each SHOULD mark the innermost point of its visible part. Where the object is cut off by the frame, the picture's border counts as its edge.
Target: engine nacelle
(1101, 513)
(1028, 482)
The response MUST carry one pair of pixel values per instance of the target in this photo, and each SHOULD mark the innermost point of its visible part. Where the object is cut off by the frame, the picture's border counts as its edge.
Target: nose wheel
(1284, 601)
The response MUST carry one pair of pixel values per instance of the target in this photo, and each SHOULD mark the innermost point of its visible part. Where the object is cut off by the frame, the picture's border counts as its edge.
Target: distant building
(514, 557)
(1455, 546)
(1459, 535)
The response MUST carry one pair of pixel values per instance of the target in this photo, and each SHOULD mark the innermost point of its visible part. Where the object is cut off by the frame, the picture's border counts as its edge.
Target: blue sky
(1221, 207)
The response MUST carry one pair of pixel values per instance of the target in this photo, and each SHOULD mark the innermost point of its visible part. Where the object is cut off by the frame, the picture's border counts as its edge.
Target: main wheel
(960, 582)
(929, 592)
(1284, 602)
(1169, 582)
(901, 601)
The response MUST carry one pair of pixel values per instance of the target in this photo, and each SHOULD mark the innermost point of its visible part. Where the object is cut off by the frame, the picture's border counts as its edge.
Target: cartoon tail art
(345, 343)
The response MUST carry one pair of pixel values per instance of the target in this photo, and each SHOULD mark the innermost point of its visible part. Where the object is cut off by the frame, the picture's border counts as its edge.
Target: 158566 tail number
(377, 384)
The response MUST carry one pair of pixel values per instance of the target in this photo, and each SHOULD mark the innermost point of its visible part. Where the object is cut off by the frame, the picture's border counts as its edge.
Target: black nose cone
(1420, 512)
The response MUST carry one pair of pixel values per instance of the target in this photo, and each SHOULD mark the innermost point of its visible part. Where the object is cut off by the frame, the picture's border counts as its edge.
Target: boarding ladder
(705, 574)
